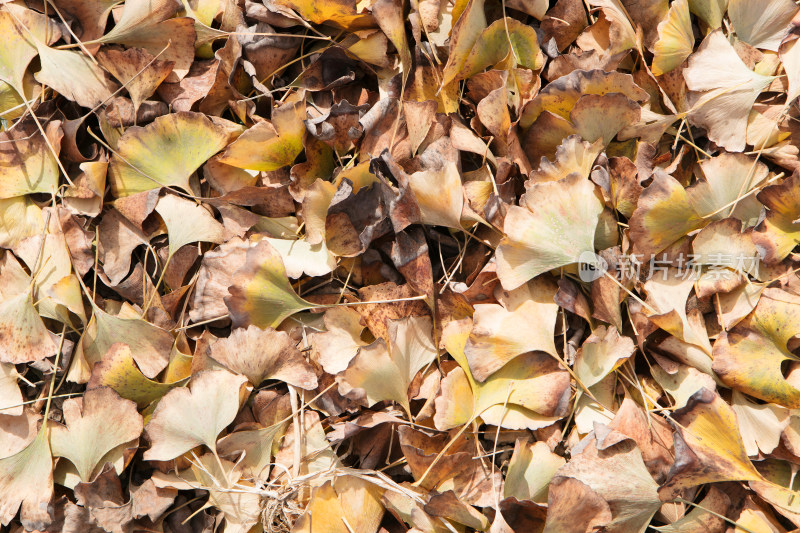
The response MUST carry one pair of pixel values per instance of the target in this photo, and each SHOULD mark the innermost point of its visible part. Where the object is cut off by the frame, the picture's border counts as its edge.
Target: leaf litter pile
(327, 266)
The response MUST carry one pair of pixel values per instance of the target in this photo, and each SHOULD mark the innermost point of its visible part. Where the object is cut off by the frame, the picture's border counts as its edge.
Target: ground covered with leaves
(322, 266)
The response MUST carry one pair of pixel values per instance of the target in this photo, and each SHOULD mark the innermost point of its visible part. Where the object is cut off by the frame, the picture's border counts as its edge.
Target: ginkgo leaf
(241, 509)
(599, 117)
(529, 392)
(778, 234)
(760, 425)
(301, 257)
(26, 484)
(728, 178)
(384, 372)
(138, 70)
(612, 466)
(762, 23)
(256, 444)
(23, 335)
(270, 145)
(724, 91)
(667, 294)
(554, 234)
(663, 215)
(682, 384)
(572, 155)
(26, 162)
(439, 195)
(466, 30)
(709, 11)
(261, 294)
(175, 211)
(346, 504)
(262, 354)
(705, 516)
(149, 344)
(601, 354)
(189, 417)
(390, 18)
(10, 395)
(342, 13)
(492, 47)
(560, 96)
(707, 445)
(166, 152)
(96, 423)
(749, 356)
(525, 322)
(335, 347)
(147, 24)
(117, 370)
(74, 76)
(17, 52)
(675, 39)
(530, 469)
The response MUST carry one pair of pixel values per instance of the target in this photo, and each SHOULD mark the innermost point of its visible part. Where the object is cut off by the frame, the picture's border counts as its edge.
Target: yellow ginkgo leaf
(17, 52)
(149, 344)
(261, 294)
(384, 372)
(750, 355)
(760, 425)
(96, 423)
(166, 152)
(530, 392)
(270, 145)
(675, 39)
(663, 215)
(256, 447)
(389, 16)
(439, 195)
(667, 293)
(10, 395)
(561, 95)
(707, 444)
(335, 347)
(26, 163)
(709, 11)
(118, 371)
(601, 354)
(340, 13)
(189, 417)
(74, 76)
(466, 31)
(723, 91)
(176, 211)
(530, 470)
(778, 234)
(555, 234)
(728, 179)
(26, 484)
(347, 504)
(524, 322)
(492, 47)
(762, 23)
(573, 155)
